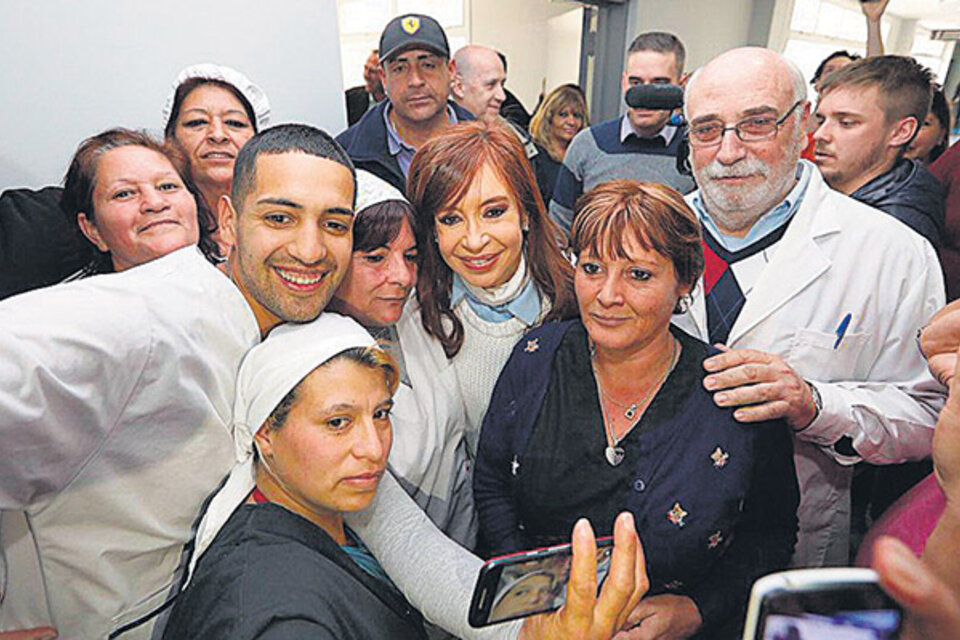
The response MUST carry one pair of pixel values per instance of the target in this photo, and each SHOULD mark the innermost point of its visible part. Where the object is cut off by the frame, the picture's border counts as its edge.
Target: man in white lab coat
(819, 297)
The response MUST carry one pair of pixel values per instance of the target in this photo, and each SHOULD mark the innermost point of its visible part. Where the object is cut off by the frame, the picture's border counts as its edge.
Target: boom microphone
(658, 97)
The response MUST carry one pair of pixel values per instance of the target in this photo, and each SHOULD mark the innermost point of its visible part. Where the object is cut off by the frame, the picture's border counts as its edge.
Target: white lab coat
(429, 455)
(116, 395)
(839, 256)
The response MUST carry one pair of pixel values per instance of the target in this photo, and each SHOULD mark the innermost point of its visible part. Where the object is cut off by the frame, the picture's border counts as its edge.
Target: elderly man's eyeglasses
(752, 129)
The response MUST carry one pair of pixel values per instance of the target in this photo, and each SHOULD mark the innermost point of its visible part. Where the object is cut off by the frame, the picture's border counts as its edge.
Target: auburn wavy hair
(440, 176)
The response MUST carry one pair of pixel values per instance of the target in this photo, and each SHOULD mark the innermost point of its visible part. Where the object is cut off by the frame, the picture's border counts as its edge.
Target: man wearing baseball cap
(415, 67)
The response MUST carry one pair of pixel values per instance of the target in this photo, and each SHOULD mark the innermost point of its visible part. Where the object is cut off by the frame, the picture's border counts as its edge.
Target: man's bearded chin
(735, 208)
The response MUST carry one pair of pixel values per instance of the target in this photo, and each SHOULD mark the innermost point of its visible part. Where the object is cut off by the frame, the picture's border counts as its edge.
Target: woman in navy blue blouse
(609, 411)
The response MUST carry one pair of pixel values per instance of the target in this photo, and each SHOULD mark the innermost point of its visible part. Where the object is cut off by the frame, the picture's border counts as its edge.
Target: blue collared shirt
(525, 307)
(768, 223)
(627, 130)
(402, 151)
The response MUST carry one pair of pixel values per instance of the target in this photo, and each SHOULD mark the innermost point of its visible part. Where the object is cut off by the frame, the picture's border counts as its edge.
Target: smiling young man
(640, 145)
(869, 112)
(292, 243)
(116, 392)
(415, 68)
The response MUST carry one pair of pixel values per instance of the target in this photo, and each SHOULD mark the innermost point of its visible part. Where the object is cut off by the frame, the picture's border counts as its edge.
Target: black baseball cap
(413, 31)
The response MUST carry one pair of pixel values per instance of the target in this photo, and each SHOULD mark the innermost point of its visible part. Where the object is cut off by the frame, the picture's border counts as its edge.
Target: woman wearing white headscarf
(211, 112)
(312, 434)
(429, 455)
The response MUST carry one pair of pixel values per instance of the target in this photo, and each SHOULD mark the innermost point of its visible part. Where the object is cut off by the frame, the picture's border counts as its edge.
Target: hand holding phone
(931, 607)
(586, 615)
(527, 583)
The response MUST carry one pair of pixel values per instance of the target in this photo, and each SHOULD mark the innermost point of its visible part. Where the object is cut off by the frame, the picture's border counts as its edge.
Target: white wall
(72, 69)
(706, 27)
(521, 30)
(563, 48)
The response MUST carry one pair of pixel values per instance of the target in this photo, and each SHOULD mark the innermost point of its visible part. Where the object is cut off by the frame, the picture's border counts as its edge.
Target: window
(935, 54)
(820, 27)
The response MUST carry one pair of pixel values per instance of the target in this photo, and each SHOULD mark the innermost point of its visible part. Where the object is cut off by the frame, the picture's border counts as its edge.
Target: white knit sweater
(486, 348)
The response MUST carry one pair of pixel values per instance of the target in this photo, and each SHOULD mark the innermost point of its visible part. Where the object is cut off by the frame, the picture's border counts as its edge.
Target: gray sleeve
(435, 574)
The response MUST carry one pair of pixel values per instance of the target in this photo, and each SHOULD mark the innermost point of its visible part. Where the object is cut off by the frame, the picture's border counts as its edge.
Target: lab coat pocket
(823, 357)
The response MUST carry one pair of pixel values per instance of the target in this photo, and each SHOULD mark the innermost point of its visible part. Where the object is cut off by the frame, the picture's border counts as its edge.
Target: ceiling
(931, 13)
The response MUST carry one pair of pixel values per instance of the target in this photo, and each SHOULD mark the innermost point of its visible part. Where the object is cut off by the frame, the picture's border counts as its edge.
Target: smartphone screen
(529, 583)
(838, 612)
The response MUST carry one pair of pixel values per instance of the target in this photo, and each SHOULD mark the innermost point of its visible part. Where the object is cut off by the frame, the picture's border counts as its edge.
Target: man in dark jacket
(415, 68)
(869, 112)
(39, 244)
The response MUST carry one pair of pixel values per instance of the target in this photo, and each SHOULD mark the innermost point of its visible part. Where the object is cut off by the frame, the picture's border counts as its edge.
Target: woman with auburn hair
(490, 265)
(129, 196)
(608, 411)
(561, 116)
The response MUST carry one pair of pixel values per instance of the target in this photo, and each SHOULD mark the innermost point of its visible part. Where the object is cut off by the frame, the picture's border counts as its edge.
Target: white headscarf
(210, 71)
(373, 190)
(267, 374)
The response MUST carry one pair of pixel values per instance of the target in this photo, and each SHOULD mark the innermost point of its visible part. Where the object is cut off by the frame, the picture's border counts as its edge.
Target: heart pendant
(614, 455)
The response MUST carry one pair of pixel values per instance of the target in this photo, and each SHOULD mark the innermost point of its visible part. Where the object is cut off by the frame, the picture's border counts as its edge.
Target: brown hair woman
(490, 265)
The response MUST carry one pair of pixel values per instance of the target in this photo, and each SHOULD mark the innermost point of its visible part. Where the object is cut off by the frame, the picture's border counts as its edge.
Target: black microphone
(658, 97)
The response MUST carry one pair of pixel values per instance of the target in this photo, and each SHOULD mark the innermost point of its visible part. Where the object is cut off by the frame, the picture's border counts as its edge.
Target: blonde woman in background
(561, 116)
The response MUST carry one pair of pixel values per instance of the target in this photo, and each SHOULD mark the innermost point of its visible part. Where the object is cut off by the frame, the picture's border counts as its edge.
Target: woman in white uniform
(429, 452)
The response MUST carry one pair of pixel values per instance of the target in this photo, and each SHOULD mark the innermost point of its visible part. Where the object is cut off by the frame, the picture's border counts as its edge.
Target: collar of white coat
(797, 262)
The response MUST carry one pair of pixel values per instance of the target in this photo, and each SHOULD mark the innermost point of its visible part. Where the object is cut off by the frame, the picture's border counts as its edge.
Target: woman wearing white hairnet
(212, 111)
(312, 433)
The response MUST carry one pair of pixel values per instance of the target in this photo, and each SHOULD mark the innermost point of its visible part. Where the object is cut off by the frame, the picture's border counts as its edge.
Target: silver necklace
(614, 452)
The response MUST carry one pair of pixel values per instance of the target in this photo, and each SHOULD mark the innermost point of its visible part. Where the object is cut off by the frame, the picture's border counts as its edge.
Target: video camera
(658, 97)
(663, 97)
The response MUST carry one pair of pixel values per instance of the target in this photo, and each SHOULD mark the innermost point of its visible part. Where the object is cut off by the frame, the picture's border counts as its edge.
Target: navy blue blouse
(714, 500)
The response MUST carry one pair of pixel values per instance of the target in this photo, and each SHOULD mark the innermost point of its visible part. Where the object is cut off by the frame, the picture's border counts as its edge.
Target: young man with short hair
(869, 112)
(640, 145)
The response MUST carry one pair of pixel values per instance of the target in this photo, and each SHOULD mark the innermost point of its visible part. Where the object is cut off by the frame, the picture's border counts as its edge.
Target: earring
(683, 304)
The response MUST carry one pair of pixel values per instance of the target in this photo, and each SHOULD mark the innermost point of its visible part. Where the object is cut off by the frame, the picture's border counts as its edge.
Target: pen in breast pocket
(842, 330)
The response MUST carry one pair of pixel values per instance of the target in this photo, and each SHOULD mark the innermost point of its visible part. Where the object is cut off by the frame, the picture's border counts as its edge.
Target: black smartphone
(834, 604)
(527, 583)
